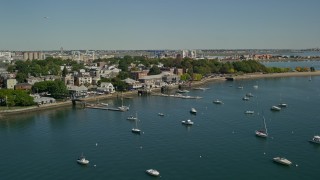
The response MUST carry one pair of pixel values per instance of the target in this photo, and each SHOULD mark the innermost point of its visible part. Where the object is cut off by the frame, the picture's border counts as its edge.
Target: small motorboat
(136, 130)
(275, 108)
(160, 114)
(282, 160)
(315, 139)
(245, 98)
(217, 101)
(82, 160)
(193, 111)
(187, 122)
(153, 172)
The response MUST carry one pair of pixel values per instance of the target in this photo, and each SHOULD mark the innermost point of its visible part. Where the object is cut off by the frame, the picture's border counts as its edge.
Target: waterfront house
(77, 91)
(43, 100)
(133, 84)
(106, 88)
(151, 81)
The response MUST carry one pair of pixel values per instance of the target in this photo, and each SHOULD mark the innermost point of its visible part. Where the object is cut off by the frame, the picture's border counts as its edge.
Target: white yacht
(217, 101)
(315, 139)
(282, 160)
(82, 160)
(153, 172)
(187, 122)
(275, 108)
(160, 114)
(193, 111)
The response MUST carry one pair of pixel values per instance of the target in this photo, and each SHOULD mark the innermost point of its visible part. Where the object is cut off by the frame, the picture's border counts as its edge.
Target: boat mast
(265, 126)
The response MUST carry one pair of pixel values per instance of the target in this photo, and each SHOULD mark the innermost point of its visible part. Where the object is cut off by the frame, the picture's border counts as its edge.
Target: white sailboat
(262, 132)
(136, 130)
(122, 107)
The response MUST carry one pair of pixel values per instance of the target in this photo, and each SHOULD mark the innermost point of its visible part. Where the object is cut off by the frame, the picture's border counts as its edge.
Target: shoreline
(130, 94)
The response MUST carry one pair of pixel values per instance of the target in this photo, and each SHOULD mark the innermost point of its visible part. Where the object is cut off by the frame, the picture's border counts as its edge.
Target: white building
(106, 87)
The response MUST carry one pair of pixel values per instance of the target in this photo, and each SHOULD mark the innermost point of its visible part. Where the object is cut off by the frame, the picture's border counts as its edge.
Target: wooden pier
(103, 108)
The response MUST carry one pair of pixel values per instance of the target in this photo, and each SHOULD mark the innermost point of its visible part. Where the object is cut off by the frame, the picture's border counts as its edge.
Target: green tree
(185, 77)
(64, 72)
(154, 70)
(119, 85)
(123, 75)
(21, 77)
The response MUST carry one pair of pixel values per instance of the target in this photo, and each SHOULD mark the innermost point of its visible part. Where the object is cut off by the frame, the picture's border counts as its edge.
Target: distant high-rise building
(61, 50)
(30, 56)
(25, 55)
(41, 56)
(35, 55)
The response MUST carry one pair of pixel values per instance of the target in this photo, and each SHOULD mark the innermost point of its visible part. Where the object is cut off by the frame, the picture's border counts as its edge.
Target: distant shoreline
(135, 93)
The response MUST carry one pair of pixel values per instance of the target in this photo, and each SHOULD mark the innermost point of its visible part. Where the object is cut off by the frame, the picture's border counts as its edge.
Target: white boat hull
(282, 161)
(137, 131)
(261, 134)
(152, 172)
(83, 161)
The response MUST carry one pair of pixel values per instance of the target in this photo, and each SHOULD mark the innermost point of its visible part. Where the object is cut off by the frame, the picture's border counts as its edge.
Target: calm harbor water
(220, 145)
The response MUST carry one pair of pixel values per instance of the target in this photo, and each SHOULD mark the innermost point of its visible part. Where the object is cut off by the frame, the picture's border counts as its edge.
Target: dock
(103, 108)
(177, 96)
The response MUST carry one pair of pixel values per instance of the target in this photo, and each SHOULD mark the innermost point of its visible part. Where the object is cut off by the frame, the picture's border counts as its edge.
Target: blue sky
(159, 24)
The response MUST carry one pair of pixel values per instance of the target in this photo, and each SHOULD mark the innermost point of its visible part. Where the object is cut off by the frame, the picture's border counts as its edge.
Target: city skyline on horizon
(154, 25)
